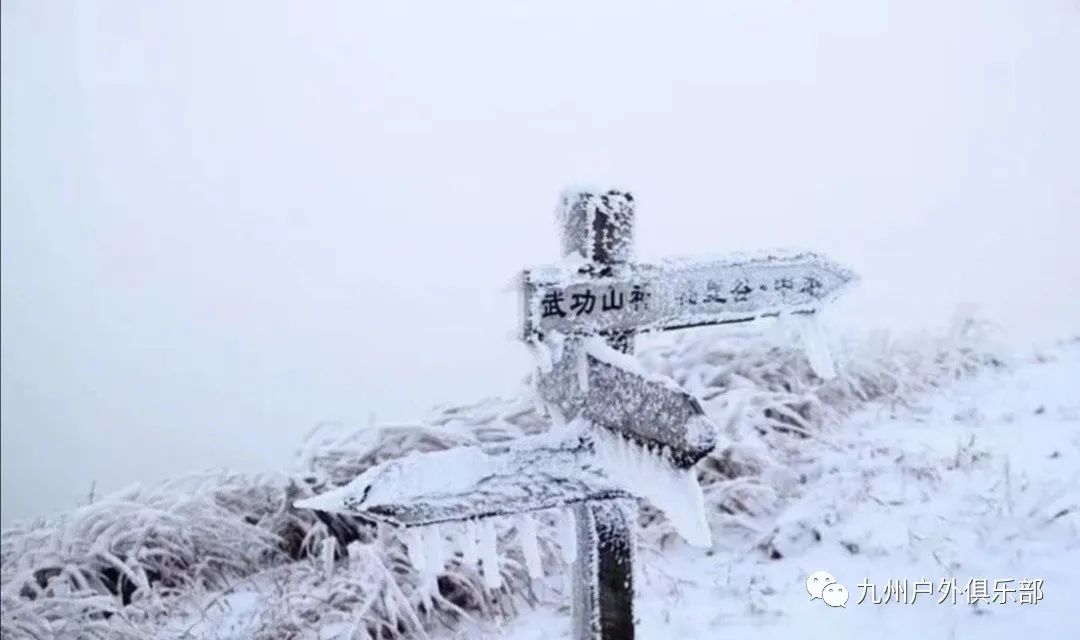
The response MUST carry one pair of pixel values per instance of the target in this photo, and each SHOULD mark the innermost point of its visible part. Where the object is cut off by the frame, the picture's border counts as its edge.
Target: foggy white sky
(226, 222)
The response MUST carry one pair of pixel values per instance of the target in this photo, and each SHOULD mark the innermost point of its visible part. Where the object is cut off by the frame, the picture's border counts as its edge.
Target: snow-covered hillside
(927, 459)
(980, 480)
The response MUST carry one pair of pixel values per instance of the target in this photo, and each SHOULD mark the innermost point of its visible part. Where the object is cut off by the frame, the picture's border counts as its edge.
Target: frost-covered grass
(979, 480)
(225, 555)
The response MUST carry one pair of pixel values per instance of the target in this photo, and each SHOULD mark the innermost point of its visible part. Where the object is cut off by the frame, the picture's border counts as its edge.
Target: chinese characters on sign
(584, 302)
(614, 298)
(677, 295)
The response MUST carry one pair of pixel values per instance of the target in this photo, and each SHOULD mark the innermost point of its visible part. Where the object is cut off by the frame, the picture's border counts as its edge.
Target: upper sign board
(678, 293)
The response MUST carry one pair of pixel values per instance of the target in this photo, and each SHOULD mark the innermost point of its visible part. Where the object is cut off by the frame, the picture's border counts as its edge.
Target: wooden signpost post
(630, 434)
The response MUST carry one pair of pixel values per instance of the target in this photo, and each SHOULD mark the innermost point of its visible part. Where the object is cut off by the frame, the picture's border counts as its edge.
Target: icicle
(583, 371)
(489, 554)
(530, 547)
(815, 346)
(470, 554)
(414, 543)
(567, 535)
(434, 549)
(556, 341)
(542, 354)
(326, 555)
(674, 491)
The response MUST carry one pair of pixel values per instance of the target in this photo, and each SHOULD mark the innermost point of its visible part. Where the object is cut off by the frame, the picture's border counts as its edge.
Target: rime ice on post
(603, 574)
(598, 232)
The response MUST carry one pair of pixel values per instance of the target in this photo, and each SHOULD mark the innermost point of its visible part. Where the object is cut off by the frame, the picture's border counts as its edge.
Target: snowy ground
(981, 480)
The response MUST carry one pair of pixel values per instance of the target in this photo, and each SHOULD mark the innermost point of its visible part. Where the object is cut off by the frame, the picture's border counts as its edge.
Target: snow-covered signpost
(581, 317)
(620, 432)
(644, 428)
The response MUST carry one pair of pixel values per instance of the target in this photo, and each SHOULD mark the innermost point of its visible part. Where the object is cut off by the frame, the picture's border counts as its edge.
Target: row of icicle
(476, 540)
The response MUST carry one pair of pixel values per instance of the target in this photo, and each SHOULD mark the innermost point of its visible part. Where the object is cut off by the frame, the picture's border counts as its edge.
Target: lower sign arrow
(466, 483)
(575, 464)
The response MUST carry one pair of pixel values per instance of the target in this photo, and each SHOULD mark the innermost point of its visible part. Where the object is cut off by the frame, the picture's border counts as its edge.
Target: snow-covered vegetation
(225, 555)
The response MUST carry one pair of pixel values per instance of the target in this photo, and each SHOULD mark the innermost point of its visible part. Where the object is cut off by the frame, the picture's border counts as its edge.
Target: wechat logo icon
(822, 585)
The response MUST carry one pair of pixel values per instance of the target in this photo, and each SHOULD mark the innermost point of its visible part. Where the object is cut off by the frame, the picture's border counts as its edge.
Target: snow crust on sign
(599, 349)
(568, 270)
(574, 262)
(423, 476)
(699, 430)
(595, 189)
(761, 257)
(674, 491)
(404, 479)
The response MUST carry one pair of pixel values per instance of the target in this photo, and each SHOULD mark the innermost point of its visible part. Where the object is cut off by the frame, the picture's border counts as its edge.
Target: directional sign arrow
(538, 472)
(575, 464)
(676, 294)
(610, 389)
